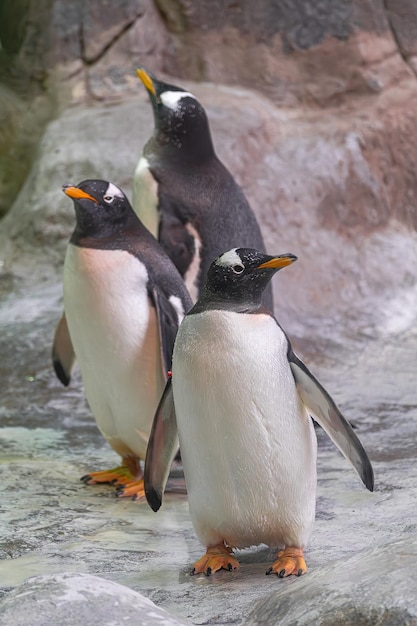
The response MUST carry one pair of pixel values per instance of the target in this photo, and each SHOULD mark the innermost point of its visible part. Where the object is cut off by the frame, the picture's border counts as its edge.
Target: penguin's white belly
(115, 336)
(145, 196)
(247, 443)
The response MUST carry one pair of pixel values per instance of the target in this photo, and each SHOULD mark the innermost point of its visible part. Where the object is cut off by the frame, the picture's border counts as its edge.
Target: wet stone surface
(52, 523)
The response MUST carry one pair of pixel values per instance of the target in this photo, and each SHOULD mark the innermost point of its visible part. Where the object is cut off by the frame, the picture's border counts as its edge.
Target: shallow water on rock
(51, 522)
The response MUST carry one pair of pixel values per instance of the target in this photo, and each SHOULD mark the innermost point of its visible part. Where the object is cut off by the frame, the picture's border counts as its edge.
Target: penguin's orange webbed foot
(132, 489)
(216, 558)
(290, 561)
(116, 476)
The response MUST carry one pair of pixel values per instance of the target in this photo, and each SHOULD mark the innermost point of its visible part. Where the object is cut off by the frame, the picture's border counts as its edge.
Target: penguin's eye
(238, 269)
(108, 198)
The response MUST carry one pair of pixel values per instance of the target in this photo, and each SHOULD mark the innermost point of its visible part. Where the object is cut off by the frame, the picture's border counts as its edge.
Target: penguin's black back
(209, 199)
(199, 202)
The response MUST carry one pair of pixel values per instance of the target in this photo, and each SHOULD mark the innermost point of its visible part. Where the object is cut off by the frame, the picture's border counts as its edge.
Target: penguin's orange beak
(146, 80)
(75, 193)
(278, 261)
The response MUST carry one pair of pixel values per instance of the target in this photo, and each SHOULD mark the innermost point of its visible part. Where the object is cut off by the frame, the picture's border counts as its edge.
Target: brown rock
(402, 16)
(142, 41)
(295, 52)
(338, 190)
(53, 50)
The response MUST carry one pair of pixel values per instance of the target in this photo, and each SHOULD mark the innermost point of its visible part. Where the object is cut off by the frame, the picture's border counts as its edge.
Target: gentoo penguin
(123, 301)
(184, 194)
(243, 401)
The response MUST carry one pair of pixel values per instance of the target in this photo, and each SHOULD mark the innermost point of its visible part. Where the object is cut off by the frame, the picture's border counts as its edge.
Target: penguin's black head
(237, 279)
(181, 124)
(101, 208)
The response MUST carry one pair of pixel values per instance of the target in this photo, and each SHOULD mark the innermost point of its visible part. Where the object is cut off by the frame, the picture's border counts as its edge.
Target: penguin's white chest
(145, 196)
(115, 336)
(247, 443)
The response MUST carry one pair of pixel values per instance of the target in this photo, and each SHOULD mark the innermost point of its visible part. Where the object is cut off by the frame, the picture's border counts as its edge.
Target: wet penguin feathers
(230, 315)
(124, 300)
(105, 220)
(63, 356)
(323, 409)
(198, 209)
(182, 132)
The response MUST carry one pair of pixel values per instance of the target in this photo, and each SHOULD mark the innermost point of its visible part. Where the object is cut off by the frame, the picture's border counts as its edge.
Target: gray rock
(302, 175)
(259, 45)
(51, 523)
(21, 128)
(55, 52)
(310, 53)
(376, 587)
(338, 188)
(403, 21)
(71, 599)
(322, 189)
(52, 52)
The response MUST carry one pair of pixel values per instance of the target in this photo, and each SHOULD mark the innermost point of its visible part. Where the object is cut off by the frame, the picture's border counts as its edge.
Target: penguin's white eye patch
(111, 193)
(229, 259)
(172, 99)
(238, 268)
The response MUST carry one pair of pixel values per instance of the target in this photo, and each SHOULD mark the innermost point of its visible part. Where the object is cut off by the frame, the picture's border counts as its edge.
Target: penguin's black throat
(97, 222)
(182, 131)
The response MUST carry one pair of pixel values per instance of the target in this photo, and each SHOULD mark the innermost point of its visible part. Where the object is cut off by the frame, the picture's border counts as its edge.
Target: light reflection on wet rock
(51, 522)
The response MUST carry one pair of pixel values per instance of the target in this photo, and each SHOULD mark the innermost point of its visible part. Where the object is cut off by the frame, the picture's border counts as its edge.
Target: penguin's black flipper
(173, 235)
(63, 355)
(167, 324)
(162, 448)
(321, 406)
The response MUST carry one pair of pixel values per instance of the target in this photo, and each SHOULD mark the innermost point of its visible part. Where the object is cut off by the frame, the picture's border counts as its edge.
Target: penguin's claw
(216, 558)
(290, 561)
(127, 485)
(132, 489)
(116, 476)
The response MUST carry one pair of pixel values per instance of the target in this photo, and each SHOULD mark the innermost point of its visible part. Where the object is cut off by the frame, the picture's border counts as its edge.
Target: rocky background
(312, 105)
